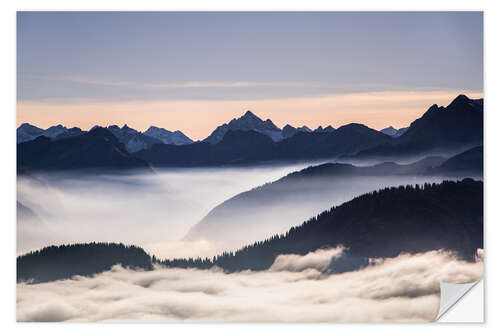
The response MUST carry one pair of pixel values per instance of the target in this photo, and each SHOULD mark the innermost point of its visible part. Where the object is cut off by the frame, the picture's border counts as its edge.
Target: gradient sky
(193, 71)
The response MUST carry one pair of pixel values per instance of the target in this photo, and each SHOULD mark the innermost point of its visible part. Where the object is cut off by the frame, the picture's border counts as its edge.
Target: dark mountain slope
(274, 207)
(62, 262)
(458, 125)
(246, 147)
(236, 147)
(97, 149)
(471, 159)
(383, 223)
(344, 140)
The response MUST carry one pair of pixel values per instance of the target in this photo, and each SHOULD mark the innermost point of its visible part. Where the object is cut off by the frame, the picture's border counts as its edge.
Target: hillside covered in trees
(62, 262)
(274, 207)
(382, 223)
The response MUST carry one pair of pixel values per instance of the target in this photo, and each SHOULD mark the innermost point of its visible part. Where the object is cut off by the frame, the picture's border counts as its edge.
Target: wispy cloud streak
(181, 85)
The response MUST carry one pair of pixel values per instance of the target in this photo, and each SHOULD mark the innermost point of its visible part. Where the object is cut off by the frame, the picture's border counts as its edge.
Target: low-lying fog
(155, 211)
(294, 289)
(150, 210)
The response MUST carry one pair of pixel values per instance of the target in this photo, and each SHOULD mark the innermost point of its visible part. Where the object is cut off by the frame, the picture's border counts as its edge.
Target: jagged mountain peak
(461, 99)
(249, 121)
(304, 129)
(250, 114)
(463, 102)
(320, 129)
(168, 137)
(58, 126)
(394, 132)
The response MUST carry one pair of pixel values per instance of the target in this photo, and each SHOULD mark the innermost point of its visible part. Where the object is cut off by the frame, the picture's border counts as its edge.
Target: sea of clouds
(152, 210)
(156, 210)
(295, 289)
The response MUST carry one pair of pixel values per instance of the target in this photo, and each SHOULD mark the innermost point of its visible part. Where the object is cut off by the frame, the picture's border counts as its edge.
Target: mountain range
(440, 130)
(97, 149)
(250, 122)
(456, 126)
(28, 132)
(394, 132)
(247, 147)
(132, 139)
(248, 139)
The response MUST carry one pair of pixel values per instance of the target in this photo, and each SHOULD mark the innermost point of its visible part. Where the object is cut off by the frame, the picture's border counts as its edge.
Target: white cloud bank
(405, 289)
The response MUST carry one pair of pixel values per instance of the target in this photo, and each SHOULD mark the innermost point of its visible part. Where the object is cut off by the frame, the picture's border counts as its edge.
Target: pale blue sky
(251, 55)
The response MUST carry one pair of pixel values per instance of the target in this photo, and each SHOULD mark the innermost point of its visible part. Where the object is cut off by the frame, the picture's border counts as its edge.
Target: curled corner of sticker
(451, 293)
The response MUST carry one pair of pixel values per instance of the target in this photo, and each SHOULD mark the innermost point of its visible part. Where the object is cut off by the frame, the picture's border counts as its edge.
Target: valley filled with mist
(112, 217)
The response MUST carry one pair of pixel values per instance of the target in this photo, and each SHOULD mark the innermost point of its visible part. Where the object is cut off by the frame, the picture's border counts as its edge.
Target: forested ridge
(58, 262)
(382, 223)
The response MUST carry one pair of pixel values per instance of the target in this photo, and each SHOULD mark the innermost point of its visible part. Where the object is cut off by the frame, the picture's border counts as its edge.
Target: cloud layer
(405, 288)
(153, 211)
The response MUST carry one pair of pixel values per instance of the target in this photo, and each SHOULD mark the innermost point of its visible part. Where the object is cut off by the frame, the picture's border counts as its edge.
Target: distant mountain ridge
(394, 132)
(456, 126)
(247, 122)
(132, 139)
(27, 132)
(250, 122)
(247, 147)
(471, 159)
(249, 139)
(97, 149)
(318, 187)
(167, 137)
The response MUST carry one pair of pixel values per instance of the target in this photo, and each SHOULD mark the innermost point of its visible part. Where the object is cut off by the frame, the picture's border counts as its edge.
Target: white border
(7, 132)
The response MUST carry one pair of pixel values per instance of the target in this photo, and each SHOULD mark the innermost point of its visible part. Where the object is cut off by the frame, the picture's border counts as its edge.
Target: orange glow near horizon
(198, 118)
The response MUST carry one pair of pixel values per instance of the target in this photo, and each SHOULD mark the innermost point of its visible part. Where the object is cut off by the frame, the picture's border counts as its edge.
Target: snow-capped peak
(248, 122)
(172, 138)
(391, 131)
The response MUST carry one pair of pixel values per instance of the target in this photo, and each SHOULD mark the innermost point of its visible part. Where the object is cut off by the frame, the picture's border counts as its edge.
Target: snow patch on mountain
(28, 132)
(391, 131)
(168, 137)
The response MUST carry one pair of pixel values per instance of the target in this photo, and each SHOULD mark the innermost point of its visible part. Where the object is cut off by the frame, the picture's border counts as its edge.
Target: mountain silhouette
(379, 224)
(394, 132)
(471, 159)
(247, 122)
(168, 137)
(303, 193)
(456, 126)
(246, 147)
(97, 149)
(250, 140)
(62, 262)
